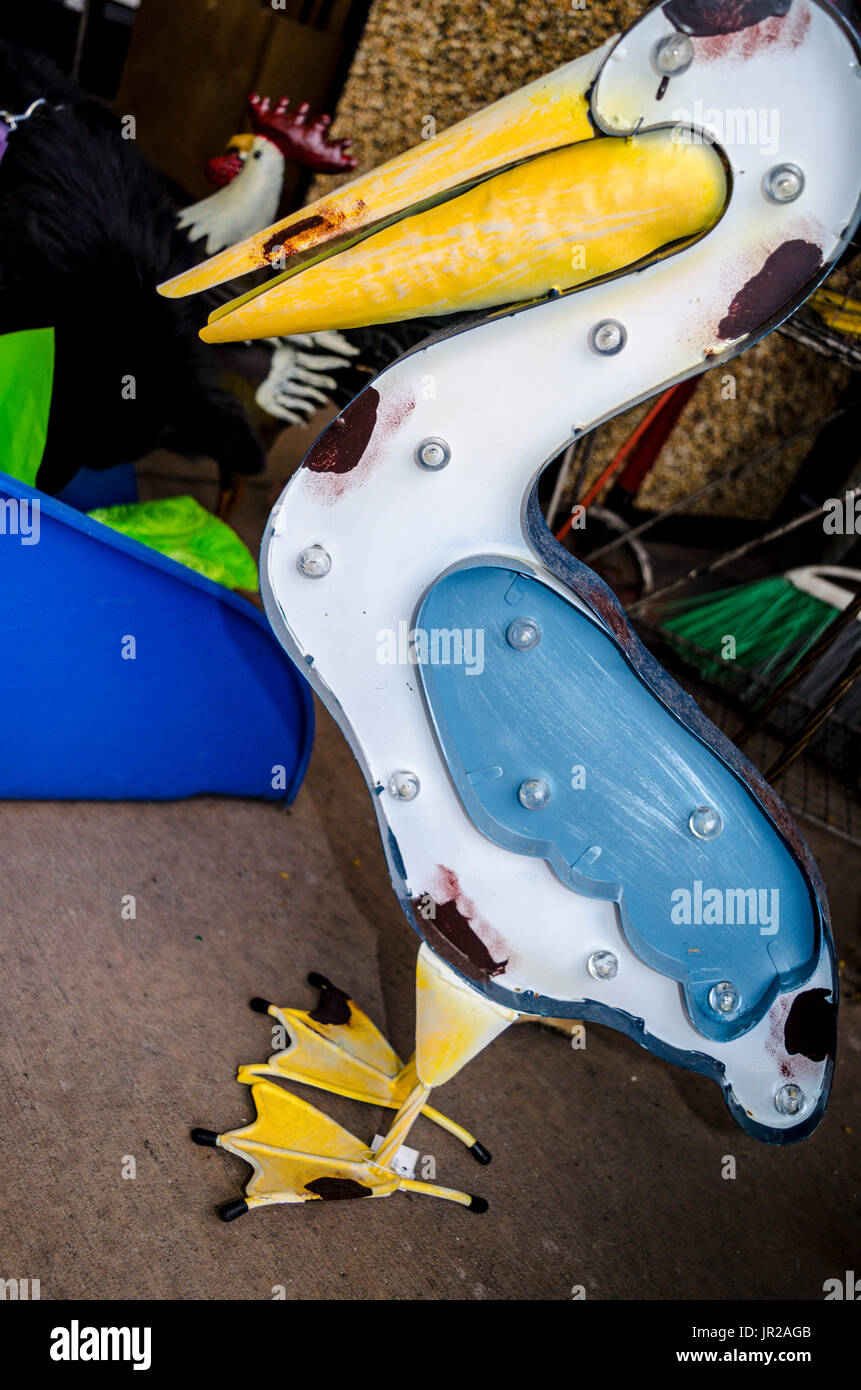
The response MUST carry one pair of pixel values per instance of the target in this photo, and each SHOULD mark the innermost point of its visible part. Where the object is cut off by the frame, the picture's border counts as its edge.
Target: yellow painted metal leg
(457, 1130)
(336, 1047)
(453, 1024)
(429, 1189)
(402, 1123)
(453, 1021)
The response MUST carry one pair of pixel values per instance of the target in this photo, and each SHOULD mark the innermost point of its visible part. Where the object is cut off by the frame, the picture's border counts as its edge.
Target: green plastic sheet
(26, 383)
(186, 532)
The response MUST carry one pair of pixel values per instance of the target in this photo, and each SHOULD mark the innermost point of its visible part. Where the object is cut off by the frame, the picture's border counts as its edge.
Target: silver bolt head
(433, 454)
(783, 184)
(534, 793)
(603, 965)
(674, 55)
(607, 337)
(705, 823)
(523, 634)
(314, 562)
(403, 785)
(724, 998)
(790, 1099)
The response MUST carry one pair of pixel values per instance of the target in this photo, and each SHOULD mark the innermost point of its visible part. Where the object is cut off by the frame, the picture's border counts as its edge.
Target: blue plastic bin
(203, 700)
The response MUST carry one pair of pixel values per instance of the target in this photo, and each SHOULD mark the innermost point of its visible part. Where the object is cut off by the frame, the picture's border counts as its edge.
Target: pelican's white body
(507, 396)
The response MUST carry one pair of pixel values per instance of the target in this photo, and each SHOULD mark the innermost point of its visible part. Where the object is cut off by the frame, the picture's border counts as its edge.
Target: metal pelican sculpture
(565, 830)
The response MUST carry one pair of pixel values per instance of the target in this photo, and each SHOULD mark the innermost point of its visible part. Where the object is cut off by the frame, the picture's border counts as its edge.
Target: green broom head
(771, 624)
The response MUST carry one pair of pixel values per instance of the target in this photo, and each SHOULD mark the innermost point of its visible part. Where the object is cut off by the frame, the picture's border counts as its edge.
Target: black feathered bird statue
(87, 231)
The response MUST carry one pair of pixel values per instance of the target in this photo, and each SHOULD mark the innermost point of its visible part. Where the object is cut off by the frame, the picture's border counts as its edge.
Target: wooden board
(190, 68)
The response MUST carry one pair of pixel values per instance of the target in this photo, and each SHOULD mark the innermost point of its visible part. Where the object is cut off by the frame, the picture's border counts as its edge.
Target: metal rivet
(705, 823)
(433, 454)
(724, 998)
(523, 634)
(790, 1099)
(534, 793)
(404, 786)
(674, 55)
(314, 562)
(603, 965)
(783, 184)
(608, 337)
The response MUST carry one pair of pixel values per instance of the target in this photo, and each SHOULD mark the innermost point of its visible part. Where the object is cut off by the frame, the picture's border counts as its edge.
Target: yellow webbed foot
(298, 1154)
(336, 1047)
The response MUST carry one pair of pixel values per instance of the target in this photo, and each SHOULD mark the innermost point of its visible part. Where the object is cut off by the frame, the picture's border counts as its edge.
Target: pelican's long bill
(521, 200)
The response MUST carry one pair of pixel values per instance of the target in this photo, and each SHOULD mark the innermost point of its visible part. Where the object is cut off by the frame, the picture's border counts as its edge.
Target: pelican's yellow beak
(515, 202)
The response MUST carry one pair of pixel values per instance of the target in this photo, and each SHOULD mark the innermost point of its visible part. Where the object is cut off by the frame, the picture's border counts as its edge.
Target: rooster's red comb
(304, 142)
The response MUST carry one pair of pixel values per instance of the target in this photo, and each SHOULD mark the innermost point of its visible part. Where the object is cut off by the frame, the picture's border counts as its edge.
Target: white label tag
(404, 1161)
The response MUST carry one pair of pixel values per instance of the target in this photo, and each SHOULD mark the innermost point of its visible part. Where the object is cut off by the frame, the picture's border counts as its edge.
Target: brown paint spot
(398, 409)
(337, 1189)
(792, 1065)
(811, 1028)
(706, 17)
(774, 1042)
(611, 615)
(276, 242)
(331, 220)
(451, 933)
(345, 441)
(334, 1006)
(775, 31)
(786, 271)
(358, 437)
(281, 245)
(456, 929)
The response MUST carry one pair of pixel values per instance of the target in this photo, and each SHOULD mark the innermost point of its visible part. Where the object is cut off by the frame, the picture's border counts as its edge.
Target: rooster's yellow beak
(244, 143)
(518, 201)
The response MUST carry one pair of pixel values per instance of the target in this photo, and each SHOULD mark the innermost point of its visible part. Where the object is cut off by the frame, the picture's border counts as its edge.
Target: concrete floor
(119, 1035)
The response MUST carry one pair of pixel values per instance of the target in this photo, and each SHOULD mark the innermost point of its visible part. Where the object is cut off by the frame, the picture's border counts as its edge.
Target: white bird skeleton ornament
(564, 828)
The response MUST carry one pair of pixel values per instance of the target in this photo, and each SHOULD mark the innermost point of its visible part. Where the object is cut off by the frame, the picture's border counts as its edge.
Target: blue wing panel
(624, 776)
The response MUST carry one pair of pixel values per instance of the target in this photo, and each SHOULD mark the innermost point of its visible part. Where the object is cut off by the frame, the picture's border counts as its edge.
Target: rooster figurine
(250, 175)
(564, 828)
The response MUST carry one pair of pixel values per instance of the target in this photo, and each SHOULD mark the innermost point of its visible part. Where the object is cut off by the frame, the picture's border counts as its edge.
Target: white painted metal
(507, 396)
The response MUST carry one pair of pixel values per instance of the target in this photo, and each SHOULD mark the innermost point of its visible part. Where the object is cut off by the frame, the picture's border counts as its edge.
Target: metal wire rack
(823, 784)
